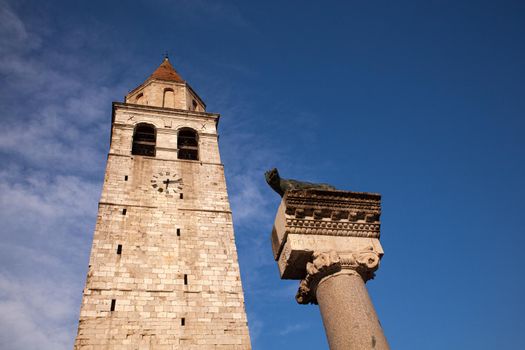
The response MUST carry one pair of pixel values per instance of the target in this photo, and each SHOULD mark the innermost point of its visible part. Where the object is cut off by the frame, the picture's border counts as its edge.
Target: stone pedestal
(330, 241)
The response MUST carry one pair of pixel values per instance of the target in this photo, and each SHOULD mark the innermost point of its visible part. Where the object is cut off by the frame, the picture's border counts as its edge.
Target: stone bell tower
(163, 271)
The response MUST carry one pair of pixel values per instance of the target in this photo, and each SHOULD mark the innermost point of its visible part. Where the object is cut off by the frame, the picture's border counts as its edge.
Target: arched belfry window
(188, 144)
(144, 139)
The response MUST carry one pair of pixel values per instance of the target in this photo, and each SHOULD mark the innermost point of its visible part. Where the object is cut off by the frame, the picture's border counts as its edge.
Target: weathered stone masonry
(163, 253)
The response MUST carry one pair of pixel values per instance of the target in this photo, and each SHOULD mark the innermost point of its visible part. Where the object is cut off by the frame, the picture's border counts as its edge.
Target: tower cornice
(166, 111)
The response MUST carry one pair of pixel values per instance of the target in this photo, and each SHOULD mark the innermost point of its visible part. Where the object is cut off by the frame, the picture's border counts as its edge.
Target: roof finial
(166, 56)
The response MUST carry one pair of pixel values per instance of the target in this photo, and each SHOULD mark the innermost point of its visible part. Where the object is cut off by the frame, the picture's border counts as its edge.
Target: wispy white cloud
(52, 115)
(56, 137)
(36, 195)
(42, 256)
(248, 199)
(36, 312)
(292, 328)
(55, 126)
(15, 38)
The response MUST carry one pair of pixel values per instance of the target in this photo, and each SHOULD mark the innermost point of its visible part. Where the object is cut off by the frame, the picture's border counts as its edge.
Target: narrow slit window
(188, 144)
(124, 211)
(144, 140)
(178, 232)
(181, 196)
(183, 321)
(113, 304)
(119, 249)
(194, 105)
(126, 178)
(185, 280)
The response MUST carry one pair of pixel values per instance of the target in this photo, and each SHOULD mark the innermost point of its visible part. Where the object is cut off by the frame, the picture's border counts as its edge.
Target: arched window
(139, 99)
(144, 139)
(168, 99)
(188, 144)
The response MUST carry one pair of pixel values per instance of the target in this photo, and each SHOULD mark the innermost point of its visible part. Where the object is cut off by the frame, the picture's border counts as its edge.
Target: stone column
(330, 240)
(337, 284)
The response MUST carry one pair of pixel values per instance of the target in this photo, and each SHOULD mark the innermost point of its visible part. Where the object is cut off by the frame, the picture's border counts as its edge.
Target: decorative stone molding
(334, 204)
(317, 227)
(364, 262)
(323, 264)
(328, 213)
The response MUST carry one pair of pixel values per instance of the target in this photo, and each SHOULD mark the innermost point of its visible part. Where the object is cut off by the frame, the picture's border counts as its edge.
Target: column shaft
(349, 318)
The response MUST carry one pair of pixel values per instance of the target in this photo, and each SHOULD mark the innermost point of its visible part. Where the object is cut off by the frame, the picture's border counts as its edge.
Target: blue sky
(421, 101)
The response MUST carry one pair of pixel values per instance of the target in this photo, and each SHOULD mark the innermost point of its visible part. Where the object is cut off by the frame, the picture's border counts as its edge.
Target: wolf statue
(282, 185)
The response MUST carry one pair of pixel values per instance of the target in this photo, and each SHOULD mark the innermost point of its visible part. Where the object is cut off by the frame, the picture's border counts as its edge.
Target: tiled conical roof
(166, 72)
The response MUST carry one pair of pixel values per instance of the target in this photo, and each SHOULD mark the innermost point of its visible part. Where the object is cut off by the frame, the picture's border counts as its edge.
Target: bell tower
(163, 271)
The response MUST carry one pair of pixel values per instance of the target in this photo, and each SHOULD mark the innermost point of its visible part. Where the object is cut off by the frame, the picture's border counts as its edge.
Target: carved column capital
(325, 264)
(364, 262)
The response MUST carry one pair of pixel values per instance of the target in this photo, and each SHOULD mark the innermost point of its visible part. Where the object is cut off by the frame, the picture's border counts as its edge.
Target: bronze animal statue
(282, 185)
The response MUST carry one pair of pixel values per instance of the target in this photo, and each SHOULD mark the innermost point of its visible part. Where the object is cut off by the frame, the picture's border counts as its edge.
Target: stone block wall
(167, 263)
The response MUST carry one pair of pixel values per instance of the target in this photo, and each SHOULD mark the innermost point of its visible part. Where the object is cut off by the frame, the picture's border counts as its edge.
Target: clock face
(166, 182)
